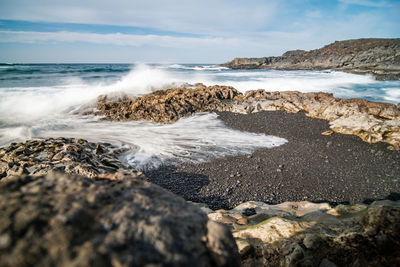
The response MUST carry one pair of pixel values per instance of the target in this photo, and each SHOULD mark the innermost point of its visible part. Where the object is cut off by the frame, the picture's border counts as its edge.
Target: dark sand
(336, 169)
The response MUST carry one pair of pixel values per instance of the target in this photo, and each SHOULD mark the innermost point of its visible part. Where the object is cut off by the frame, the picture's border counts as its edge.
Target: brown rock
(308, 234)
(371, 121)
(373, 55)
(165, 106)
(75, 221)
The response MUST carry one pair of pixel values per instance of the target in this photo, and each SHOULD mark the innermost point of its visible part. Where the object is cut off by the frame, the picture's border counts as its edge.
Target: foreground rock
(164, 106)
(378, 56)
(61, 220)
(308, 234)
(371, 121)
(69, 155)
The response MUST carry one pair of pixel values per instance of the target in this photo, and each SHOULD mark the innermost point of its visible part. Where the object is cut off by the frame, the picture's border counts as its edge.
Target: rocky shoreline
(67, 201)
(380, 57)
(371, 121)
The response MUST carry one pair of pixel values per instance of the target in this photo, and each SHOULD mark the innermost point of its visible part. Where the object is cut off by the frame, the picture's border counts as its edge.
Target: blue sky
(127, 31)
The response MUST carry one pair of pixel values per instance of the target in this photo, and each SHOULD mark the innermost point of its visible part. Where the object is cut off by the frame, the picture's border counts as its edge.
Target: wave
(198, 138)
(392, 94)
(46, 111)
(24, 104)
(197, 67)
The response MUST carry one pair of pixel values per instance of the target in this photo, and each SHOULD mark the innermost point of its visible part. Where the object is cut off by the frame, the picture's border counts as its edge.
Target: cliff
(377, 56)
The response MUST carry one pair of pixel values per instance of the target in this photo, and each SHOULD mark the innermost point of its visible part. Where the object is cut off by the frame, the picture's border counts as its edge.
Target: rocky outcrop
(164, 106)
(309, 234)
(371, 121)
(378, 56)
(68, 220)
(75, 156)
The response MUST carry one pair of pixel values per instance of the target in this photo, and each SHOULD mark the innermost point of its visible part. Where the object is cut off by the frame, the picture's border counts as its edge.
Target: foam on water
(24, 104)
(41, 104)
(197, 138)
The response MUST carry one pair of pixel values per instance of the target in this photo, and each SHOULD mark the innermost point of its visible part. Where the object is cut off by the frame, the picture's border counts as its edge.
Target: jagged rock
(371, 121)
(309, 234)
(378, 56)
(39, 157)
(164, 106)
(68, 220)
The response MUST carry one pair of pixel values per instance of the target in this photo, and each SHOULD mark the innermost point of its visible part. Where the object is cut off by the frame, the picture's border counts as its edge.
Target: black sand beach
(311, 166)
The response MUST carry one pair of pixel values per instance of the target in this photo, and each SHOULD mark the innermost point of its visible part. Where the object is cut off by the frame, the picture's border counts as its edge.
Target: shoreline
(336, 169)
(105, 202)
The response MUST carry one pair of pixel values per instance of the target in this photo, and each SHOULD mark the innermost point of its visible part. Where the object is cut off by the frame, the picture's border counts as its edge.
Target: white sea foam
(392, 94)
(45, 111)
(303, 81)
(197, 138)
(24, 104)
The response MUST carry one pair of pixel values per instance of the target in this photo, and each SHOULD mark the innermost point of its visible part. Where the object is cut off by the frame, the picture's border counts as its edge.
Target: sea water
(41, 100)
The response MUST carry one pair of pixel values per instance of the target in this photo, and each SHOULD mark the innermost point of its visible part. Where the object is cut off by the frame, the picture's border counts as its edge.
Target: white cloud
(205, 17)
(117, 39)
(225, 29)
(315, 14)
(369, 3)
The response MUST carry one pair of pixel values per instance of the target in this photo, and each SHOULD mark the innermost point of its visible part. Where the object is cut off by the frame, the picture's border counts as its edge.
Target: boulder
(309, 234)
(69, 220)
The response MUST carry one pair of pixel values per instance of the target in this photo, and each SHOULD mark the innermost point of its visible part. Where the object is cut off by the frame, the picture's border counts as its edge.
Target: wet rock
(68, 220)
(165, 106)
(371, 121)
(309, 234)
(39, 157)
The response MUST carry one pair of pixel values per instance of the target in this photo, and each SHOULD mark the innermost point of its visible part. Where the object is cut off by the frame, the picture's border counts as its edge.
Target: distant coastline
(380, 57)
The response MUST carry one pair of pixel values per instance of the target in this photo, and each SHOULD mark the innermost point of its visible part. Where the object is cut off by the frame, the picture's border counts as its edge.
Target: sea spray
(41, 100)
(198, 138)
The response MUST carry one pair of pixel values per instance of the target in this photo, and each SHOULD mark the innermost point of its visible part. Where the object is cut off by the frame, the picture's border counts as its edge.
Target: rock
(376, 56)
(371, 121)
(165, 106)
(69, 220)
(326, 263)
(244, 247)
(309, 234)
(249, 212)
(327, 132)
(221, 244)
(39, 157)
(312, 241)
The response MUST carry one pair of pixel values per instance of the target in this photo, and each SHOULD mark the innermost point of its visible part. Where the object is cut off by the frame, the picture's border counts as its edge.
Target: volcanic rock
(309, 234)
(371, 121)
(378, 56)
(165, 106)
(69, 220)
(69, 155)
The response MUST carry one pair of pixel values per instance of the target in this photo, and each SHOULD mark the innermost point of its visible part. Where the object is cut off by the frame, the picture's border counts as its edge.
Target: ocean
(41, 100)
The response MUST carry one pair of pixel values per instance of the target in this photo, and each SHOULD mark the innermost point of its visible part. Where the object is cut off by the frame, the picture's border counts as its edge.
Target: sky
(183, 31)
